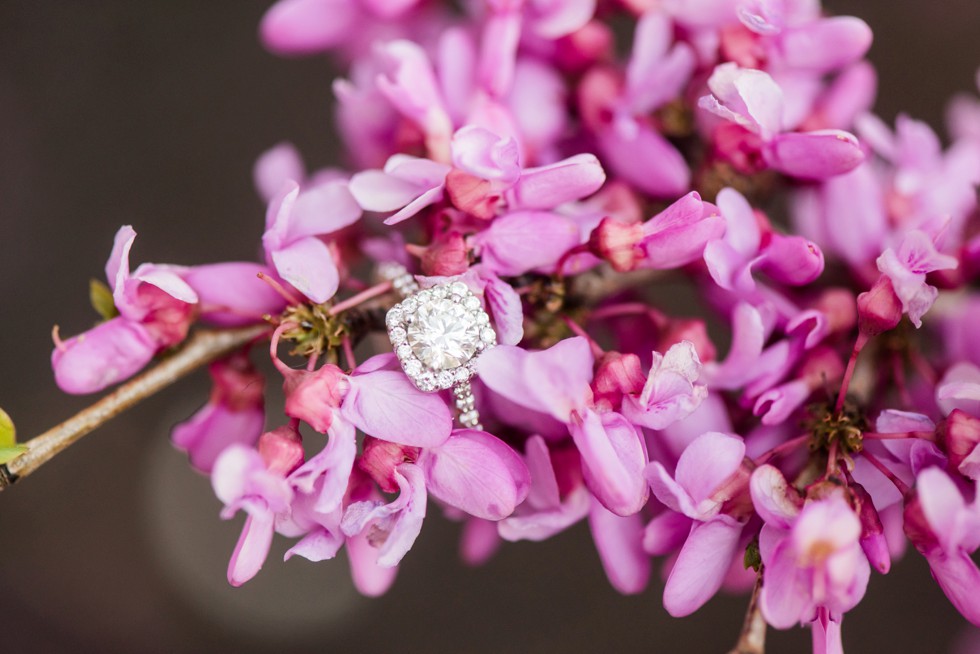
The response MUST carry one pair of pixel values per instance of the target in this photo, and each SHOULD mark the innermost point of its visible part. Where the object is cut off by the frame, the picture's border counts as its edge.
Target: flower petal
(386, 405)
(619, 542)
(701, 565)
(613, 458)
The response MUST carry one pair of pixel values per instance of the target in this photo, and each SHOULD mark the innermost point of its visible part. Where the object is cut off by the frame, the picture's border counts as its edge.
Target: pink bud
(879, 309)
(446, 256)
(872, 533)
(617, 243)
(473, 195)
(617, 375)
(281, 449)
(237, 385)
(960, 435)
(584, 47)
(917, 527)
(380, 459)
(597, 90)
(313, 396)
(693, 330)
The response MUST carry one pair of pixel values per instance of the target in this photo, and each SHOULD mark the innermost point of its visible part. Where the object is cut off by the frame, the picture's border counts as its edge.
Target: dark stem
(752, 639)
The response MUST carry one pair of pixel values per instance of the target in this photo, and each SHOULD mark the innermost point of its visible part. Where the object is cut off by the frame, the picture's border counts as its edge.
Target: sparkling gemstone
(443, 335)
(412, 367)
(426, 382)
(403, 351)
(488, 335)
(444, 379)
(397, 335)
(482, 318)
(471, 303)
(462, 374)
(394, 316)
(459, 288)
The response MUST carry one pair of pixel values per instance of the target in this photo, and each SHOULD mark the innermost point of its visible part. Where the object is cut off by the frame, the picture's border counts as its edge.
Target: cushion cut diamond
(444, 334)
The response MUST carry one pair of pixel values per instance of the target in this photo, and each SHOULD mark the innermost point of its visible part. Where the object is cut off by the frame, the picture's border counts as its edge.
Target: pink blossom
(156, 307)
(907, 269)
(670, 392)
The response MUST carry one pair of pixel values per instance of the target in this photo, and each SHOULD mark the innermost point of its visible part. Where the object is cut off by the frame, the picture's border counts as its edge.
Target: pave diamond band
(437, 334)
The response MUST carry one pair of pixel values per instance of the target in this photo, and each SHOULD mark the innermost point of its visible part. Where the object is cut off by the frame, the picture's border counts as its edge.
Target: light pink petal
(232, 471)
(105, 355)
(502, 369)
(318, 545)
(619, 542)
(943, 507)
(543, 492)
(826, 44)
(558, 378)
(166, 278)
(386, 405)
(481, 153)
(498, 51)
(654, 75)
(479, 541)
(505, 307)
(117, 267)
(747, 97)
(308, 265)
(541, 525)
(851, 94)
(666, 533)
(785, 597)
(376, 190)
(323, 208)
(299, 27)
(748, 337)
(521, 241)
(892, 421)
(814, 155)
(537, 102)
(776, 405)
(669, 492)
(742, 229)
(231, 294)
(277, 217)
(549, 186)
(960, 389)
(410, 85)
(252, 548)
(959, 578)
(408, 525)
(331, 467)
(275, 167)
(477, 473)
(774, 500)
(613, 458)
(553, 19)
(456, 62)
(706, 464)
(212, 429)
(645, 159)
(370, 578)
(701, 565)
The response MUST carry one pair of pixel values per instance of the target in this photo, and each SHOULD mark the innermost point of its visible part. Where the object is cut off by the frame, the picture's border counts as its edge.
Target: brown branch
(200, 349)
(752, 640)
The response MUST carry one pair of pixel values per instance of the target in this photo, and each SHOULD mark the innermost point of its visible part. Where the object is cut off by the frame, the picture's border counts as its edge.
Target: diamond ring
(437, 334)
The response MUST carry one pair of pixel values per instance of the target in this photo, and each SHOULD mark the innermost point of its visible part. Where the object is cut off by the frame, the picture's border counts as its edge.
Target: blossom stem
(363, 296)
(924, 435)
(577, 329)
(782, 448)
(859, 344)
(883, 469)
(200, 349)
(752, 639)
(349, 353)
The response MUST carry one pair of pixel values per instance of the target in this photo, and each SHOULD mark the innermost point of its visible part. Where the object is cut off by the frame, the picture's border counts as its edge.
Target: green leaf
(8, 454)
(8, 435)
(101, 298)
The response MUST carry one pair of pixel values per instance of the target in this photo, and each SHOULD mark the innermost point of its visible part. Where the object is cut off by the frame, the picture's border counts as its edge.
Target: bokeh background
(151, 113)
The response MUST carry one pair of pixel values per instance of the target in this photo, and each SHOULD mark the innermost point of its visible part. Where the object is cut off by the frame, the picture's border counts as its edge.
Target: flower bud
(617, 375)
(879, 309)
(380, 458)
(446, 256)
(693, 330)
(313, 396)
(473, 195)
(281, 449)
(617, 243)
(960, 435)
(872, 533)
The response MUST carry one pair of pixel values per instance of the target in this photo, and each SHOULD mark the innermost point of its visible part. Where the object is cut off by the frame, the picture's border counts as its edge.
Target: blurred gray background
(152, 113)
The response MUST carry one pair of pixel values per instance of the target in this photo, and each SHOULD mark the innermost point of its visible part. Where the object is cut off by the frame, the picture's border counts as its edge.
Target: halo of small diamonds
(437, 333)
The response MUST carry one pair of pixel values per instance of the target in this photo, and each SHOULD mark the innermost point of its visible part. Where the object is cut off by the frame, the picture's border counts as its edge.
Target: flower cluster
(598, 215)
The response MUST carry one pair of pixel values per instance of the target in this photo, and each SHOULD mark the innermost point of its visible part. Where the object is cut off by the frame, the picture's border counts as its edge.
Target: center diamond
(444, 335)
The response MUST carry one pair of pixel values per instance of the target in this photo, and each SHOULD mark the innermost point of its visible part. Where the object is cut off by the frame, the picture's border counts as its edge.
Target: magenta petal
(502, 370)
(543, 524)
(706, 464)
(619, 542)
(117, 267)
(104, 355)
(613, 458)
(959, 578)
(549, 186)
(559, 377)
(369, 578)
(308, 265)
(479, 541)
(505, 306)
(386, 405)
(814, 155)
(674, 496)
(214, 428)
(825, 45)
(299, 27)
(666, 533)
(252, 548)
(701, 565)
(323, 208)
(275, 167)
(774, 500)
(477, 473)
(646, 160)
(785, 596)
(333, 464)
(231, 294)
(522, 241)
(792, 260)
(481, 153)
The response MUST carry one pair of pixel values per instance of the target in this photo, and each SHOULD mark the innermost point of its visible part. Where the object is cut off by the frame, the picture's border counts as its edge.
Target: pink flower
(946, 530)
(295, 221)
(670, 392)
(235, 413)
(812, 554)
(156, 307)
(907, 269)
(705, 487)
(556, 382)
(753, 100)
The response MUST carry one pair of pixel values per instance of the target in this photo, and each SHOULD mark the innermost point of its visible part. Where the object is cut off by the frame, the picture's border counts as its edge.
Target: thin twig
(752, 640)
(200, 349)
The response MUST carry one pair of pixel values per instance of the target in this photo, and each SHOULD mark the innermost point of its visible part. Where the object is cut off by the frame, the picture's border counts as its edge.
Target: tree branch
(752, 640)
(200, 349)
